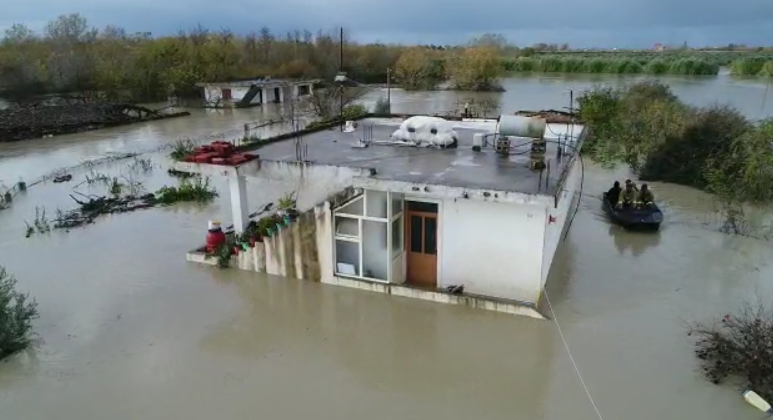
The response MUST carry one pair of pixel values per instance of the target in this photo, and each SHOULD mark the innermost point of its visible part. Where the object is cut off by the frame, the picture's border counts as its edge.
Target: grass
(603, 65)
(182, 148)
(40, 224)
(197, 190)
(690, 63)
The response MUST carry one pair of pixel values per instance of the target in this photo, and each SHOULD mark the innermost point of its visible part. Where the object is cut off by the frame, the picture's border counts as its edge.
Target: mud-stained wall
(302, 250)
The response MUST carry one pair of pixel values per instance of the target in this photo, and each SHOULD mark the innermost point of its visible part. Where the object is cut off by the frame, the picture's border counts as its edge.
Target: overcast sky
(580, 23)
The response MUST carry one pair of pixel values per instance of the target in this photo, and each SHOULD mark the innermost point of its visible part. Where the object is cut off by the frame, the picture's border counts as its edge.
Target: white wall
(493, 249)
(214, 94)
(555, 231)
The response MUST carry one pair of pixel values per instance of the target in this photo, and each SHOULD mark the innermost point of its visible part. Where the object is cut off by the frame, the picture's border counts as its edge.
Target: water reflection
(394, 347)
(118, 300)
(635, 242)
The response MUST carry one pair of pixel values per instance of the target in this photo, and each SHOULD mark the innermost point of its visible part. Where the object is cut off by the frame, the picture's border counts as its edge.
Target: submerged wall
(301, 250)
(562, 214)
(491, 248)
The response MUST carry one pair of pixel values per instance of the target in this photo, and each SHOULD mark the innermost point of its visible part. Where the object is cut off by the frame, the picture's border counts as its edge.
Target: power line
(571, 358)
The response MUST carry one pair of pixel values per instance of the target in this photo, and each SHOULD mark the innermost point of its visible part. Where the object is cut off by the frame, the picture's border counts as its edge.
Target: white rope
(569, 352)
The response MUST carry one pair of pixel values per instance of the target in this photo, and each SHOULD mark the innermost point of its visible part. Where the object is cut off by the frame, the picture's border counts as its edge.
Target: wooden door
(421, 248)
(227, 94)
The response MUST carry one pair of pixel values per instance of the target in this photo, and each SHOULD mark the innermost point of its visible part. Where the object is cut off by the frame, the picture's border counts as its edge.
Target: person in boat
(646, 198)
(614, 193)
(628, 196)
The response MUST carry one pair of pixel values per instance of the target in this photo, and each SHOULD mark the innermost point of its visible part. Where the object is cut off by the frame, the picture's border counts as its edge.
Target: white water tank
(520, 126)
(477, 139)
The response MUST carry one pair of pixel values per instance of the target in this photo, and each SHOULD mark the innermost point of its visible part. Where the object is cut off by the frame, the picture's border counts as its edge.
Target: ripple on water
(118, 301)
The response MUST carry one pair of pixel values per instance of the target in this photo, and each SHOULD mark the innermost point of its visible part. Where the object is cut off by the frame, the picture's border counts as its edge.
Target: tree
(497, 41)
(326, 103)
(662, 139)
(475, 69)
(17, 311)
(738, 346)
(418, 69)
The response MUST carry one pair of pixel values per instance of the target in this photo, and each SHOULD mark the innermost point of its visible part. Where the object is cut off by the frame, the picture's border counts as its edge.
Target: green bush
(613, 64)
(663, 139)
(17, 311)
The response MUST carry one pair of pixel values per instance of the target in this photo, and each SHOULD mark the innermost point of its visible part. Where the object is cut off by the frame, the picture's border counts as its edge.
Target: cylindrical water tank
(477, 139)
(520, 126)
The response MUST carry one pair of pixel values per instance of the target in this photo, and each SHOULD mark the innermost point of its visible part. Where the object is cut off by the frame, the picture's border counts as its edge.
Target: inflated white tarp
(427, 132)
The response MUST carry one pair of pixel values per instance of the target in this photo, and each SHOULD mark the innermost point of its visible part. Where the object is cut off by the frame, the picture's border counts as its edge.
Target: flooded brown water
(130, 330)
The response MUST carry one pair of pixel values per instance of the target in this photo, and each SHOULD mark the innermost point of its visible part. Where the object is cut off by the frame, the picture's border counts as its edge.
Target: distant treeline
(70, 57)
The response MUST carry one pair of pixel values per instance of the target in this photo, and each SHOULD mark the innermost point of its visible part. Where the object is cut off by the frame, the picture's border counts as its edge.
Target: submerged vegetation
(625, 64)
(17, 311)
(645, 126)
(196, 190)
(122, 193)
(738, 347)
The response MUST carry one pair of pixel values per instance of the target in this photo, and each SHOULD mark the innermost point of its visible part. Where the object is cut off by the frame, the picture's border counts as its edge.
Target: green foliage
(181, 149)
(420, 68)
(17, 311)
(71, 57)
(190, 190)
(749, 66)
(619, 64)
(287, 201)
(354, 111)
(351, 112)
(662, 139)
(382, 107)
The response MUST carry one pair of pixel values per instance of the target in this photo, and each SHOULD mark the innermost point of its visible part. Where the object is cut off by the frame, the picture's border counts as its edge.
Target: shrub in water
(739, 346)
(17, 311)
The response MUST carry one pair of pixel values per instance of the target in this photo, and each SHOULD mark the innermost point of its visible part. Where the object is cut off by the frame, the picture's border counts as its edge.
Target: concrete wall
(213, 94)
(490, 248)
(566, 207)
(302, 250)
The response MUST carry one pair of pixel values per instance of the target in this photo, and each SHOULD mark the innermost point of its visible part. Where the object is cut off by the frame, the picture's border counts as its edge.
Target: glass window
(416, 230)
(354, 207)
(346, 226)
(430, 235)
(397, 204)
(423, 207)
(347, 258)
(375, 254)
(397, 235)
(377, 204)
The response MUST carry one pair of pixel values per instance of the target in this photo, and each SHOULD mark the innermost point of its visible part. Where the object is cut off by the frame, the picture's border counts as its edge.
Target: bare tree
(326, 103)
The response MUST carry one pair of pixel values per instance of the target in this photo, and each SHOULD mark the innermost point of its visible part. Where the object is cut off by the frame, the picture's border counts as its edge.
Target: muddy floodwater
(129, 330)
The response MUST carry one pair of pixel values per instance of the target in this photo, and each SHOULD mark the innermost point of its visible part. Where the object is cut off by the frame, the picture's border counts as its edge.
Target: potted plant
(286, 204)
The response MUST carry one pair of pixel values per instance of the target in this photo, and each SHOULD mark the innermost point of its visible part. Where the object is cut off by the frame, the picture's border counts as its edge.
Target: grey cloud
(578, 22)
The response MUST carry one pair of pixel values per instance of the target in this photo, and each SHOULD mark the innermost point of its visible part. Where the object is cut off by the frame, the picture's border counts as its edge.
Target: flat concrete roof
(460, 167)
(259, 83)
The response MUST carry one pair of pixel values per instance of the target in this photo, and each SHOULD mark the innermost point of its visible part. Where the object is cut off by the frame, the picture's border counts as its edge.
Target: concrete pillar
(264, 93)
(281, 95)
(296, 92)
(239, 209)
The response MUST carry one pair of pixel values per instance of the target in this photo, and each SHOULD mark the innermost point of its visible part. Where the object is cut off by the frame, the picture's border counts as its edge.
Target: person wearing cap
(646, 198)
(628, 196)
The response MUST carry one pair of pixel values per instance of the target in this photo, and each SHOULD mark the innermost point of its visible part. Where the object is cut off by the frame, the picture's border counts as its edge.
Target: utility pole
(341, 70)
(389, 91)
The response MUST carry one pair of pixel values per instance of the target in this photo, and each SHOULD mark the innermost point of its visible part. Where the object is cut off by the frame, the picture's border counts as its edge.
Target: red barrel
(215, 237)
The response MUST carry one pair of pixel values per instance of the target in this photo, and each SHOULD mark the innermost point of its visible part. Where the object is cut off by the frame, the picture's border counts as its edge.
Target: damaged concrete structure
(253, 92)
(477, 224)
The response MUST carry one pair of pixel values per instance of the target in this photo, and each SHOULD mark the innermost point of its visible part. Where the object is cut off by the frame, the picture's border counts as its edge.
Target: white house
(253, 92)
(487, 214)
